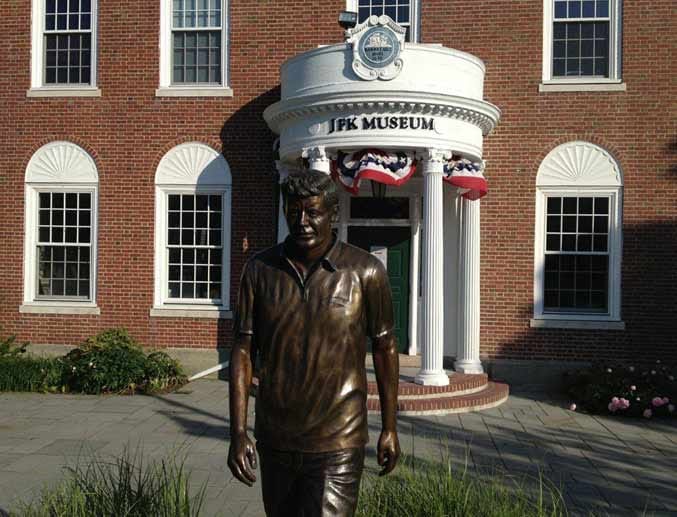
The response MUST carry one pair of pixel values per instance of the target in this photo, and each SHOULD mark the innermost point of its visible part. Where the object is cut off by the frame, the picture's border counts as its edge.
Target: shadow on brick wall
(648, 308)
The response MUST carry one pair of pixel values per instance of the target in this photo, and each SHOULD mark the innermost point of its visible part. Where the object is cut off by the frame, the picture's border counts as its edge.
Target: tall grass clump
(20, 371)
(438, 490)
(124, 487)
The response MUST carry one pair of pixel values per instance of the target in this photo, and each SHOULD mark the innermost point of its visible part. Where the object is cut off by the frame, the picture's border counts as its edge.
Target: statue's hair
(308, 184)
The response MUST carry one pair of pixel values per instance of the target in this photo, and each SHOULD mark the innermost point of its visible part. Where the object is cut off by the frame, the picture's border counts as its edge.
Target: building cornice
(479, 113)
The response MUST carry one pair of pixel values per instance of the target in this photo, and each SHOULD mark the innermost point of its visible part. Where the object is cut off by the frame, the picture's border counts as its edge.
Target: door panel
(398, 241)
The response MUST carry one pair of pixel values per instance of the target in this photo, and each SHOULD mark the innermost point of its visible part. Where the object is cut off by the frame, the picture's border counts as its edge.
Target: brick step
(459, 384)
(494, 394)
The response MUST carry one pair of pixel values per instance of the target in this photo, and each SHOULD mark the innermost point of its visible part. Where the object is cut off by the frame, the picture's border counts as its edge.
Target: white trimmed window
(192, 232)
(63, 47)
(193, 47)
(404, 12)
(60, 230)
(578, 235)
(581, 41)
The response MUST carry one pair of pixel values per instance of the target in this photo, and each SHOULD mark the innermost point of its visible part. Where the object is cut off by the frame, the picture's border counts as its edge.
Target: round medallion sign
(379, 47)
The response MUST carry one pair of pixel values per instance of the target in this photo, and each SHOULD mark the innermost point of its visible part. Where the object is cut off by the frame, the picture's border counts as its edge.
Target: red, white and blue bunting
(394, 168)
(467, 176)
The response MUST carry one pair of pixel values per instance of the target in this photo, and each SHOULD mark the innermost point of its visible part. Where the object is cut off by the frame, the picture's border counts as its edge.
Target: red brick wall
(637, 126)
(128, 130)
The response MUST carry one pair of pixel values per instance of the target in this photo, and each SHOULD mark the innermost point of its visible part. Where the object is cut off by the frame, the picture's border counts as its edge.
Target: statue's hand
(242, 458)
(388, 451)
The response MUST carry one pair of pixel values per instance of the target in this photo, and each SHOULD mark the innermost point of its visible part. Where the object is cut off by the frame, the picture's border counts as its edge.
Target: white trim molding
(579, 169)
(166, 88)
(191, 168)
(38, 86)
(58, 167)
(584, 83)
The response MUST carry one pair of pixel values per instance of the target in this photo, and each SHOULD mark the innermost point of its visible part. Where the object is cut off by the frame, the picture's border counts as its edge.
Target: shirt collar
(328, 260)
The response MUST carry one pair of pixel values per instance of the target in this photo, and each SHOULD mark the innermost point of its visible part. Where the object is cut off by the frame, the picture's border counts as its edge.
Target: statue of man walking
(306, 308)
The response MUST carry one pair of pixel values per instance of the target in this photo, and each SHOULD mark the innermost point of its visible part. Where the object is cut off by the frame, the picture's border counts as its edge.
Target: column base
(470, 367)
(437, 378)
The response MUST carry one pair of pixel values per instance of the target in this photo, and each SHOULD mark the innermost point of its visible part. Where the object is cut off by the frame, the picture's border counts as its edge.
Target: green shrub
(9, 348)
(20, 371)
(112, 361)
(28, 373)
(624, 389)
(125, 486)
(437, 490)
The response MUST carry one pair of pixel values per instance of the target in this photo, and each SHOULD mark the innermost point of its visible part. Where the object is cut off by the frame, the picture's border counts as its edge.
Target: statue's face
(309, 221)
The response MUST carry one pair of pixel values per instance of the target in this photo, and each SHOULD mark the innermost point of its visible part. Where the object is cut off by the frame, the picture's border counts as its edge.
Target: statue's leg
(279, 476)
(330, 483)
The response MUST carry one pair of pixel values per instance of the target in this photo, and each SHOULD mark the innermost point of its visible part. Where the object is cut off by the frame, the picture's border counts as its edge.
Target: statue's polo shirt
(311, 339)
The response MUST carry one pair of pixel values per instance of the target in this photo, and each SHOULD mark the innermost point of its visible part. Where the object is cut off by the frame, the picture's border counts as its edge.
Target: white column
(432, 350)
(415, 211)
(468, 355)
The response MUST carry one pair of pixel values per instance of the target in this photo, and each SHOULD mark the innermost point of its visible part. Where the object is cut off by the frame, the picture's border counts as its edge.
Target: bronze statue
(306, 308)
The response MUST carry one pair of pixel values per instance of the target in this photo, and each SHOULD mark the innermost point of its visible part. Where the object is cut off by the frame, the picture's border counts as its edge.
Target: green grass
(124, 487)
(437, 490)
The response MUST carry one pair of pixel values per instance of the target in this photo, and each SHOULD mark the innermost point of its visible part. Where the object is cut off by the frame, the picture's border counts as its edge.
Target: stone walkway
(613, 466)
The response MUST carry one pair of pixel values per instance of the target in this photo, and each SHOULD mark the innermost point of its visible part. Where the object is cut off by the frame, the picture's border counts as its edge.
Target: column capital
(318, 159)
(434, 160)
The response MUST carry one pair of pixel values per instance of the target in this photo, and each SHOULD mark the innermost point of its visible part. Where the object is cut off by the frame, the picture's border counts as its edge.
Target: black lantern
(347, 19)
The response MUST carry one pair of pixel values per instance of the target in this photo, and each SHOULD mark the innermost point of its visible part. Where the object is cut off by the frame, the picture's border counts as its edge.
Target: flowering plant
(641, 390)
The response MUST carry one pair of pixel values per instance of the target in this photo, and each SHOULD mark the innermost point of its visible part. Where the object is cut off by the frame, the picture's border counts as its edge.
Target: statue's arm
(387, 368)
(386, 362)
(241, 455)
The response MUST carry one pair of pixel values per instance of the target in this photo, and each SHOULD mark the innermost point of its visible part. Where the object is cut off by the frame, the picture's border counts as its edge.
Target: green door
(397, 241)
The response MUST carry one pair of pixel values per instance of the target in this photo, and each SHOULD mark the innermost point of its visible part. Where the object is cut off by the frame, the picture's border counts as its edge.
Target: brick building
(127, 122)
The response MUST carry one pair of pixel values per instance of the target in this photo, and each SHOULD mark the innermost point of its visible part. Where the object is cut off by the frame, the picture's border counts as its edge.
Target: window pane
(191, 262)
(569, 205)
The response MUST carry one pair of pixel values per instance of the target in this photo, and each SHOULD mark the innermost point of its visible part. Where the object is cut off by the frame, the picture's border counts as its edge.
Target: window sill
(207, 313)
(47, 91)
(555, 86)
(177, 91)
(576, 324)
(59, 308)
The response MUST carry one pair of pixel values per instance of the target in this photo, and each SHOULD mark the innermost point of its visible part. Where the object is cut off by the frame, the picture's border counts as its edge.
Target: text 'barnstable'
(369, 123)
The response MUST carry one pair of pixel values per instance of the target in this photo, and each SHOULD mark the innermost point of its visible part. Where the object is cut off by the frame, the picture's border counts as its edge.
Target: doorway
(392, 245)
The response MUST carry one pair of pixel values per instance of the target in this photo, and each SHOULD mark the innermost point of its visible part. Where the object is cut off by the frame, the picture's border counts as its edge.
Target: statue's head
(310, 206)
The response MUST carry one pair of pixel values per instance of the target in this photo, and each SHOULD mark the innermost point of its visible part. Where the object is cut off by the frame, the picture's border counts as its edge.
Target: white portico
(411, 116)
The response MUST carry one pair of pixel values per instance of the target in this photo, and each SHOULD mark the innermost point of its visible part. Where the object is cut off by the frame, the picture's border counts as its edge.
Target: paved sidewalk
(614, 466)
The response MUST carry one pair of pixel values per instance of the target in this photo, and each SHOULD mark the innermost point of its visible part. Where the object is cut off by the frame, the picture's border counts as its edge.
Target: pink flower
(612, 407)
(633, 388)
(657, 402)
(671, 408)
(647, 413)
(666, 400)
(572, 407)
(624, 403)
(615, 400)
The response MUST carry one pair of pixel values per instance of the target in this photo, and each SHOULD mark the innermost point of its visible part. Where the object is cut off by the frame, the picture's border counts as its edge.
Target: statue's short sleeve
(379, 301)
(244, 313)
